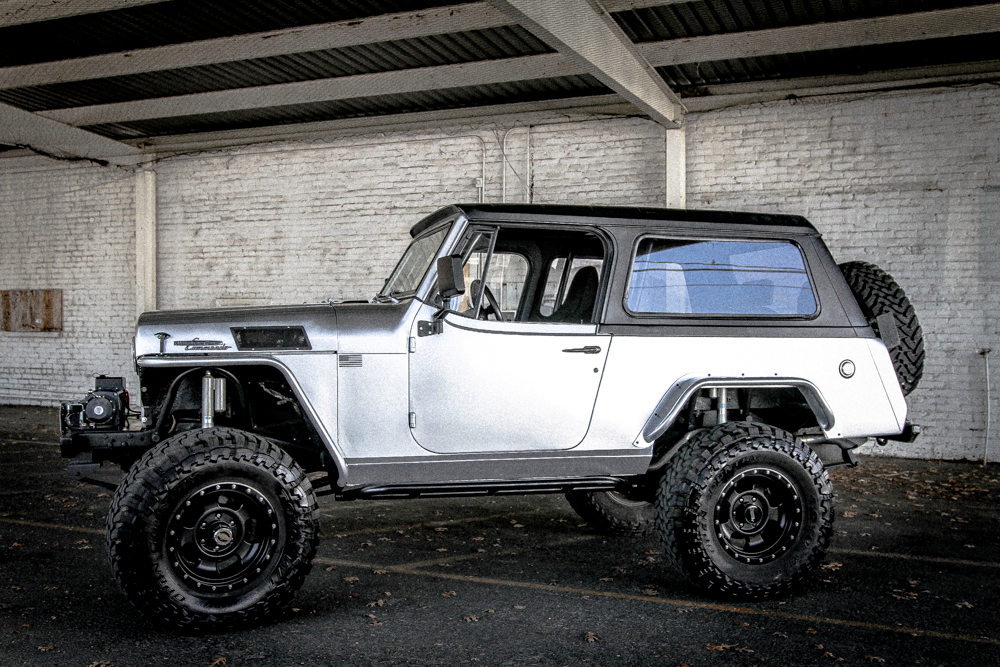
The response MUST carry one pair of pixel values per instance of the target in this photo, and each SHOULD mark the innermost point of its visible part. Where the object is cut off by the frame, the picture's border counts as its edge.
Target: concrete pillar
(145, 241)
(676, 168)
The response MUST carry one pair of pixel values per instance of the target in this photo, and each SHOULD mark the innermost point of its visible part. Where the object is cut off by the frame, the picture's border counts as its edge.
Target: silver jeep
(692, 372)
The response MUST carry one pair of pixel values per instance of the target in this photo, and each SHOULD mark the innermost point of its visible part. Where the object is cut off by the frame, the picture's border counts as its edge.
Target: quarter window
(675, 277)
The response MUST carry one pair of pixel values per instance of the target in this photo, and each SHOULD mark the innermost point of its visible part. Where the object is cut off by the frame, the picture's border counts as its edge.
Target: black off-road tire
(877, 293)
(711, 488)
(614, 513)
(212, 529)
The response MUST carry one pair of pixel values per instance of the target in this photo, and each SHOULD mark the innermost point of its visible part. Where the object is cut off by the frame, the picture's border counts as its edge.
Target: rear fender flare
(675, 398)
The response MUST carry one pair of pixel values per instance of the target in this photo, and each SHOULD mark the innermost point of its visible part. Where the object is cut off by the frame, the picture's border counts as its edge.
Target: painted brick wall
(909, 181)
(68, 228)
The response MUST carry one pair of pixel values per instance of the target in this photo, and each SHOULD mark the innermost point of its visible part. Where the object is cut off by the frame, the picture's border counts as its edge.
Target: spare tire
(877, 293)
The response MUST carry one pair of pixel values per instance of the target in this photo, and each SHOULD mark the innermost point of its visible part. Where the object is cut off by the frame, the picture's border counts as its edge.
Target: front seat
(578, 306)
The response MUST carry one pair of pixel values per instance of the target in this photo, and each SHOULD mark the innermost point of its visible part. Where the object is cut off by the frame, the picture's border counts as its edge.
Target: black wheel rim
(758, 515)
(222, 537)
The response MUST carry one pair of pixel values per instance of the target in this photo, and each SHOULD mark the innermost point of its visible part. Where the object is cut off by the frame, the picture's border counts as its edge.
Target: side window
(558, 280)
(504, 272)
(674, 277)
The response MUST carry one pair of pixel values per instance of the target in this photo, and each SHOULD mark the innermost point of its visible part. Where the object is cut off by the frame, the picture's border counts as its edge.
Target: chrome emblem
(198, 344)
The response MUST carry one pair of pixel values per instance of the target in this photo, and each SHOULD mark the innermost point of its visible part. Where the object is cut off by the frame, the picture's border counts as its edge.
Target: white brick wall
(908, 180)
(69, 228)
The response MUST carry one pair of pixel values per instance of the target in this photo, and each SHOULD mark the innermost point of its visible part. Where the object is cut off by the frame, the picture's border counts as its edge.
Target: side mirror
(451, 280)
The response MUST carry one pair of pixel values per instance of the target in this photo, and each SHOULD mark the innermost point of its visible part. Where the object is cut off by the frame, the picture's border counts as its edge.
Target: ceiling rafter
(42, 135)
(585, 33)
(19, 12)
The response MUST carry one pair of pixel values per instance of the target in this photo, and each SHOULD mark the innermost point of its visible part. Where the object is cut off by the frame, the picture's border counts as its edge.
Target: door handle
(588, 349)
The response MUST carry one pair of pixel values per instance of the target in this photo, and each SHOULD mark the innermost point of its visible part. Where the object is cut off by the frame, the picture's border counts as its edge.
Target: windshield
(416, 260)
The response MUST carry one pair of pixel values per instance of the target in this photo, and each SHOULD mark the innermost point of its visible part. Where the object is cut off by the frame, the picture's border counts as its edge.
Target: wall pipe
(986, 445)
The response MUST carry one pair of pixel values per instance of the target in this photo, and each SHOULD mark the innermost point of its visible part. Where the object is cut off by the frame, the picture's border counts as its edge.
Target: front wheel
(745, 511)
(213, 528)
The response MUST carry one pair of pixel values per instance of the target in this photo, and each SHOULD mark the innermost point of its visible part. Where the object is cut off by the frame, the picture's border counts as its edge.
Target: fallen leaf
(810, 631)
(448, 594)
(831, 566)
(380, 571)
(350, 579)
(368, 615)
(518, 525)
(720, 647)
(376, 623)
(441, 549)
(471, 618)
(850, 515)
(476, 539)
(440, 530)
(218, 662)
(45, 648)
(779, 634)
(874, 658)
(331, 568)
(743, 649)
(101, 663)
(964, 605)
(103, 495)
(519, 606)
(591, 637)
(376, 603)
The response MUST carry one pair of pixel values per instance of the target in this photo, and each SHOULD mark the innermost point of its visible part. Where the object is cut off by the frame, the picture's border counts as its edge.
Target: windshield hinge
(425, 328)
(413, 420)
(413, 344)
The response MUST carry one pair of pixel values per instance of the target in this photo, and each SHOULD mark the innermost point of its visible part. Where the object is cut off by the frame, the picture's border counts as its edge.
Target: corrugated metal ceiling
(183, 21)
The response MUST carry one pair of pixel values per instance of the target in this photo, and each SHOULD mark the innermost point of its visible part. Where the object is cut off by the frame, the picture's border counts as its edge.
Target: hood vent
(253, 339)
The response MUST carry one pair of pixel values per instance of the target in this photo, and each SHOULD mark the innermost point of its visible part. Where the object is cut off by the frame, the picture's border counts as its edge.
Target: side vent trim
(254, 339)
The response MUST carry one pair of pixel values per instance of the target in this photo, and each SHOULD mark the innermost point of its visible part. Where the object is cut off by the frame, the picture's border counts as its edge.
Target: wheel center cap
(753, 514)
(223, 536)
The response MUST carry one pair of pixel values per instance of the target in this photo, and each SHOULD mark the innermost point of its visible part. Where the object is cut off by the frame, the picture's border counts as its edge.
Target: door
(502, 375)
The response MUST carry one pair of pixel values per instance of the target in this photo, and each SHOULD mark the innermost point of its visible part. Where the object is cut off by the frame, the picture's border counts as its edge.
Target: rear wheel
(213, 528)
(745, 511)
(613, 512)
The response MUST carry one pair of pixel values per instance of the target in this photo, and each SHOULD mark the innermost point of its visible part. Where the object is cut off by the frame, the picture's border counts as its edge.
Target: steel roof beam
(937, 24)
(23, 128)
(18, 12)
(319, 37)
(301, 39)
(586, 34)
(323, 90)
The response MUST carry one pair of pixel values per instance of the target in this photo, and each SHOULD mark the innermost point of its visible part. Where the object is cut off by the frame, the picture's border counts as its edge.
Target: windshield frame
(385, 292)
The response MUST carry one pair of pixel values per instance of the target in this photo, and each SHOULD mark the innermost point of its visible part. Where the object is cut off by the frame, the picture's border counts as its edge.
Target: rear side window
(677, 277)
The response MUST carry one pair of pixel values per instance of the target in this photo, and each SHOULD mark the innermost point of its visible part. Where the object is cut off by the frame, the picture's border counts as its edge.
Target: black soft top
(610, 215)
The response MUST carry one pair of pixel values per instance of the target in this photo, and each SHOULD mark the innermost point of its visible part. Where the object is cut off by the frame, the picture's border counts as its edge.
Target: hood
(358, 327)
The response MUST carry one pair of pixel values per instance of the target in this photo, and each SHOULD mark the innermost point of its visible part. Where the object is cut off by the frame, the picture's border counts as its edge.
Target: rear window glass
(675, 277)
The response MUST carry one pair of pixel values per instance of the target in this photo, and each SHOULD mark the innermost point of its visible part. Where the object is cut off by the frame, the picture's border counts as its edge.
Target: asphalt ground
(911, 579)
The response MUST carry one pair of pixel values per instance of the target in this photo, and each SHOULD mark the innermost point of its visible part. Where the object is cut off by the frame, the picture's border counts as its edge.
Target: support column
(145, 241)
(676, 175)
